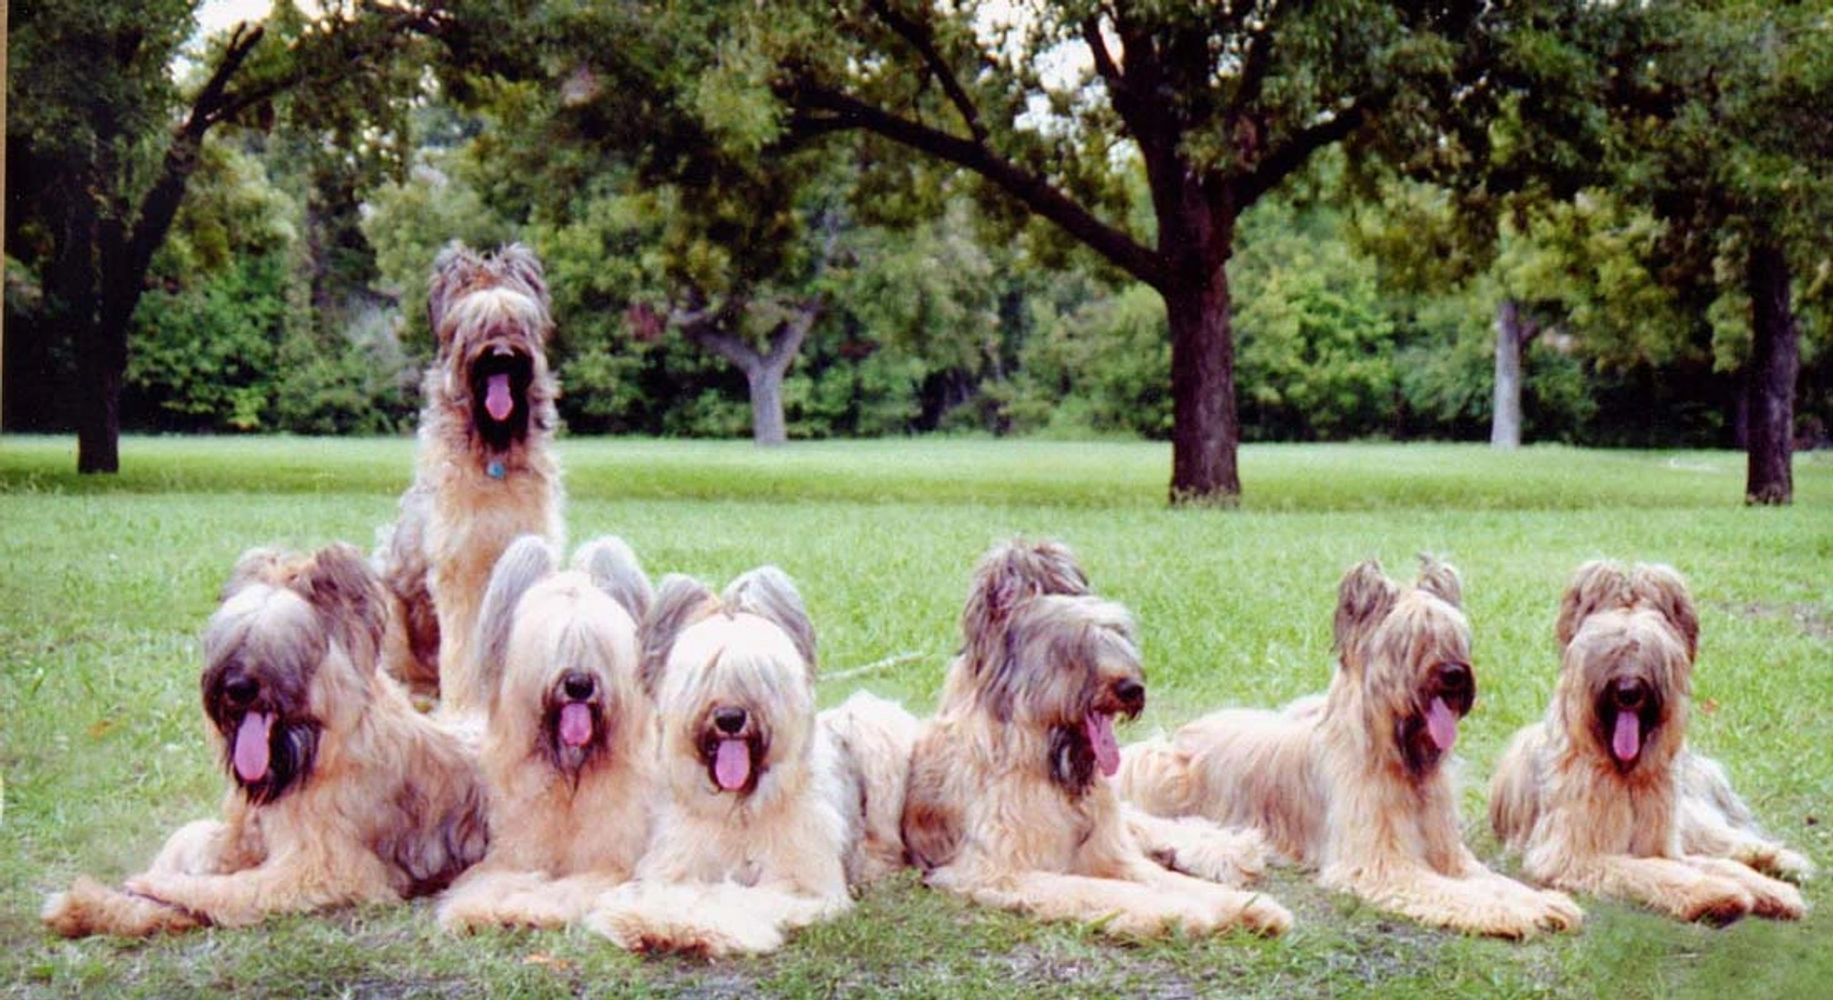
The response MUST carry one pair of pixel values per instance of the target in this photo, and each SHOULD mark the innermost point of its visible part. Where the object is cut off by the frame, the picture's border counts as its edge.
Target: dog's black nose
(1130, 692)
(1454, 678)
(1629, 693)
(241, 689)
(578, 686)
(729, 720)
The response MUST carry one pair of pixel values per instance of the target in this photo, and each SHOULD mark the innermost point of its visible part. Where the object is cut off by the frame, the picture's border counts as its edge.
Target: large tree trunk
(98, 426)
(1205, 429)
(1505, 422)
(767, 426)
(1769, 383)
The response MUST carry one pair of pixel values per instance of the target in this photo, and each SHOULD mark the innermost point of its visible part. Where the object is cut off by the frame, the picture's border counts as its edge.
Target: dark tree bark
(1196, 206)
(1511, 335)
(1770, 381)
(103, 298)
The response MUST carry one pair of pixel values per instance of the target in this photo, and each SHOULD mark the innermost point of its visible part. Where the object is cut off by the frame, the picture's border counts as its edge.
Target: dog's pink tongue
(1441, 724)
(497, 399)
(576, 724)
(250, 753)
(1626, 741)
(1100, 727)
(732, 764)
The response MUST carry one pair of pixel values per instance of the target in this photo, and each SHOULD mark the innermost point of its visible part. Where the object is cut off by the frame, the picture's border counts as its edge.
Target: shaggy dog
(343, 793)
(759, 824)
(1603, 796)
(1354, 784)
(569, 755)
(1009, 802)
(486, 471)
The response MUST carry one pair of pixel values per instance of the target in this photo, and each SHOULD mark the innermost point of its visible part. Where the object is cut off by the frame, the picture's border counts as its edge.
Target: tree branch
(923, 41)
(845, 111)
(790, 334)
(1283, 160)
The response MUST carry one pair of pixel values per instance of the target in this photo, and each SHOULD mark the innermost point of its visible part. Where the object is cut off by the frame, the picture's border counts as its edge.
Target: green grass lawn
(105, 582)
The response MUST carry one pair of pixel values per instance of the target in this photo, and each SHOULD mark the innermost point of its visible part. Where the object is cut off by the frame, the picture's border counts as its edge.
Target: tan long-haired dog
(486, 473)
(757, 821)
(1009, 802)
(342, 793)
(1603, 795)
(569, 754)
(1355, 784)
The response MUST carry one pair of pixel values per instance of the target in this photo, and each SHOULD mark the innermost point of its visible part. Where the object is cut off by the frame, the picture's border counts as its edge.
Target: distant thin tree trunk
(764, 372)
(1770, 382)
(767, 424)
(1505, 422)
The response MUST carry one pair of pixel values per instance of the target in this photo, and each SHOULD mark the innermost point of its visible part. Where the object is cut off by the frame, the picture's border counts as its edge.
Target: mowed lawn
(105, 583)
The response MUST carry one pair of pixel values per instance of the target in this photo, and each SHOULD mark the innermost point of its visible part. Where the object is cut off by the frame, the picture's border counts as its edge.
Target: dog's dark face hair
(1407, 649)
(1071, 668)
(573, 721)
(289, 631)
(1630, 637)
(491, 316)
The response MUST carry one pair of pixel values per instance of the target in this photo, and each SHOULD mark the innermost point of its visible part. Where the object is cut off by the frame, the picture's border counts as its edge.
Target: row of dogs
(648, 761)
(651, 765)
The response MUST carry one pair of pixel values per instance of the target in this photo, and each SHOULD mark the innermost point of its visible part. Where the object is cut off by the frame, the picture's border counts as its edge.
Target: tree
(104, 145)
(1724, 135)
(1051, 106)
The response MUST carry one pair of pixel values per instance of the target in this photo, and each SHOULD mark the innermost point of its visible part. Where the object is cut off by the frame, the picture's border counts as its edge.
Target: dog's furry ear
(343, 588)
(1440, 579)
(768, 592)
(527, 561)
(614, 569)
(260, 565)
(1364, 597)
(679, 602)
(517, 263)
(1008, 575)
(1662, 588)
(1597, 586)
(454, 270)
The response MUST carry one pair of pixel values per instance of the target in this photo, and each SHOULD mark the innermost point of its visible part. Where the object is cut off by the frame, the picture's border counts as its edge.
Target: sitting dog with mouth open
(342, 793)
(757, 822)
(1355, 784)
(569, 753)
(1603, 795)
(486, 472)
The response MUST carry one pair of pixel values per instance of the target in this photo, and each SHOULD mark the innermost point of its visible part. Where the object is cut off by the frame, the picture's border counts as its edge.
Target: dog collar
(495, 469)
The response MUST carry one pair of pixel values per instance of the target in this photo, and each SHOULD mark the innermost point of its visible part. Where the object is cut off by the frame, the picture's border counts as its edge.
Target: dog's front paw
(1784, 863)
(1714, 901)
(1778, 900)
(1558, 912)
(1265, 917)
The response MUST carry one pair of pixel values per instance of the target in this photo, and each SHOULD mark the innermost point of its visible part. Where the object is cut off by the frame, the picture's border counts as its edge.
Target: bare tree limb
(1294, 152)
(921, 38)
(841, 110)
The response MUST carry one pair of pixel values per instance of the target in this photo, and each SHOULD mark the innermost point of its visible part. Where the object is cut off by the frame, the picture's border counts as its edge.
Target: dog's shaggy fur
(343, 793)
(758, 820)
(1355, 784)
(486, 472)
(1603, 795)
(1009, 802)
(569, 755)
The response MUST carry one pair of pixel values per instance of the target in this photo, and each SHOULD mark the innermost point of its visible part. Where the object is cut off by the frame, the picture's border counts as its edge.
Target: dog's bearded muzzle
(268, 749)
(500, 374)
(575, 721)
(1078, 748)
(1427, 733)
(1628, 711)
(732, 746)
